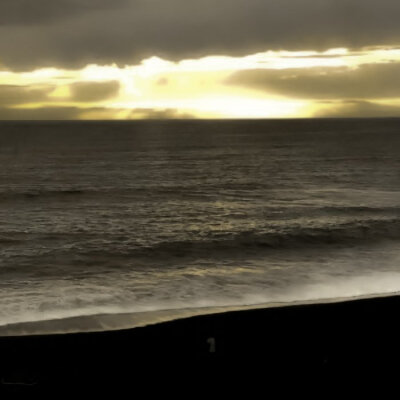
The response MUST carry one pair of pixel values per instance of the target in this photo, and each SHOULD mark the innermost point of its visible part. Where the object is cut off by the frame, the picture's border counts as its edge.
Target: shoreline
(132, 320)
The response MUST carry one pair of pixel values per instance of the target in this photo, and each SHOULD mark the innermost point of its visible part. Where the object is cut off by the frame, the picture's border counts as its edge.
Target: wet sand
(319, 341)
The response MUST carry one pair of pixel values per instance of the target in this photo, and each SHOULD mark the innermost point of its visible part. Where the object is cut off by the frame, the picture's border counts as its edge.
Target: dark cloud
(367, 81)
(35, 12)
(94, 91)
(73, 113)
(358, 109)
(13, 95)
(43, 113)
(72, 33)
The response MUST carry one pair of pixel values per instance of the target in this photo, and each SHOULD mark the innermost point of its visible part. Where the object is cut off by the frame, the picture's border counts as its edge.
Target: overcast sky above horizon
(102, 59)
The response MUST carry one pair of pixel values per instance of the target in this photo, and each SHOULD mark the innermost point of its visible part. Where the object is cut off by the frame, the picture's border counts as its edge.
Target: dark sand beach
(322, 341)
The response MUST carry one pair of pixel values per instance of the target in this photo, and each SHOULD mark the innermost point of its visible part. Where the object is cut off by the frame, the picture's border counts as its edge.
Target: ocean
(146, 217)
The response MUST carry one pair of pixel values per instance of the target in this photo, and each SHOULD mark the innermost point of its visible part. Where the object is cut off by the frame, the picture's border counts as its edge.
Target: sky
(135, 59)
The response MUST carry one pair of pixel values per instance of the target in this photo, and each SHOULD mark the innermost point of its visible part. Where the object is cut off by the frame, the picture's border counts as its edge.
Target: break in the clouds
(74, 33)
(333, 83)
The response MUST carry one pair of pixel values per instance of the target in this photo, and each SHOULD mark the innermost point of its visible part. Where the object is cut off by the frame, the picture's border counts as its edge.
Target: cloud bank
(367, 81)
(73, 33)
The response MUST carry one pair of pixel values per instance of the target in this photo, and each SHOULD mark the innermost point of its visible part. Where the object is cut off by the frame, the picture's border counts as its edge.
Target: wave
(293, 237)
(141, 192)
(39, 193)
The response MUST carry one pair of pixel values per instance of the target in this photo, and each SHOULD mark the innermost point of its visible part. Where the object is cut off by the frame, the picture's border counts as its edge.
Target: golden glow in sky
(273, 84)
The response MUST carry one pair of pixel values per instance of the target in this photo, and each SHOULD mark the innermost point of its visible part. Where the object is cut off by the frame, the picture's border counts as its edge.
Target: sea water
(145, 216)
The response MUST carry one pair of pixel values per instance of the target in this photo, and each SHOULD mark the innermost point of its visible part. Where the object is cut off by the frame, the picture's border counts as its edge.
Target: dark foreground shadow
(316, 343)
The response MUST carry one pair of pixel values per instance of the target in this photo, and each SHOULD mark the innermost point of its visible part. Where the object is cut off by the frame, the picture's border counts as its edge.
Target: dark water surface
(111, 217)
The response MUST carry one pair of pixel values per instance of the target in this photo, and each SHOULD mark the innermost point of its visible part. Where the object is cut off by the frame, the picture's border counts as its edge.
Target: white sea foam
(149, 299)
